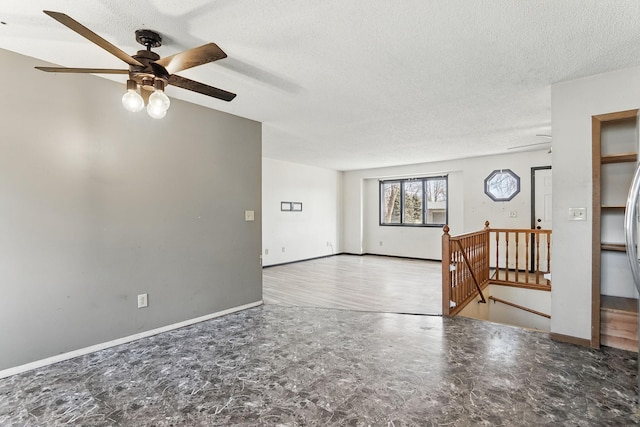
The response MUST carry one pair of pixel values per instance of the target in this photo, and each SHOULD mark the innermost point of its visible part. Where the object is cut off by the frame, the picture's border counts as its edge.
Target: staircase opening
(500, 275)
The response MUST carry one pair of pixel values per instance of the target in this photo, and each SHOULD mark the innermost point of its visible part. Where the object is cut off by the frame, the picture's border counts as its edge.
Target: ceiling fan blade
(192, 58)
(92, 37)
(82, 70)
(528, 145)
(202, 88)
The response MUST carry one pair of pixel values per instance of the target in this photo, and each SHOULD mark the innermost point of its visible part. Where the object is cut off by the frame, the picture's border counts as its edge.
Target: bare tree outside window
(411, 202)
(436, 190)
(391, 203)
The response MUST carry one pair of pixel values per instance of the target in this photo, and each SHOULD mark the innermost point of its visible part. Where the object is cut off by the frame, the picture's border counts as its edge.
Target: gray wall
(98, 205)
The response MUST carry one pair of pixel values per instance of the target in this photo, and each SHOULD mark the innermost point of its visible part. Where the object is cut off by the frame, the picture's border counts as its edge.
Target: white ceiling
(361, 83)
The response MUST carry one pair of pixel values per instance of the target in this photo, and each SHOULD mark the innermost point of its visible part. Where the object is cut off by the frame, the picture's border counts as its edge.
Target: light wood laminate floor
(363, 283)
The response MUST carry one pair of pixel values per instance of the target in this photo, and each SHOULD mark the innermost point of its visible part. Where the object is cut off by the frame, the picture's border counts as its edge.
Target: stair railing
(521, 258)
(465, 269)
(509, 303)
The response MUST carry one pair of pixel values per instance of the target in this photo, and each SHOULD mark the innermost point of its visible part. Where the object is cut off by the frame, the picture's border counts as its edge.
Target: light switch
(577, 214)
(143, 301)
(249, 215)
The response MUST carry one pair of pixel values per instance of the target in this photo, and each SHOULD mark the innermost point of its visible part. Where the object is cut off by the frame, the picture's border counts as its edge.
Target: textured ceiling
(361, 83)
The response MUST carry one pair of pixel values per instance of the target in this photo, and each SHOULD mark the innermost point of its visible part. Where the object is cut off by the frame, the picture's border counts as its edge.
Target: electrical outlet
(380, 242)
(143, 300)
(266, 251)
(283, 249)
(513, 214)
(249, 215)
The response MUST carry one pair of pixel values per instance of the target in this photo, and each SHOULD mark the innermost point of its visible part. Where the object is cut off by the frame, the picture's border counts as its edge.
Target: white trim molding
(97, 347)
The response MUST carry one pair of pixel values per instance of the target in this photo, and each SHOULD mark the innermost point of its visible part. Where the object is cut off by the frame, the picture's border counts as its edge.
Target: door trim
(533, 192)
(533, 211)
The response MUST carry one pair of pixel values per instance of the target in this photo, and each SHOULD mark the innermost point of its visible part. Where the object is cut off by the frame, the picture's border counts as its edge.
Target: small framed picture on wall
(285, 206)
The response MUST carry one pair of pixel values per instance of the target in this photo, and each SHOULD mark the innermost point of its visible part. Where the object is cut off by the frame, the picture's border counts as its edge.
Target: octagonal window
(502, 185)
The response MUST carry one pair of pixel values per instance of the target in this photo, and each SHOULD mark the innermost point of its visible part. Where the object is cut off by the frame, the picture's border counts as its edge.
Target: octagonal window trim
(502, 185)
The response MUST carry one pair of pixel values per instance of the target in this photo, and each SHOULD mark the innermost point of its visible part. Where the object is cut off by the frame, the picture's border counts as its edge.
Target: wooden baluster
(497, 255)
(465, 269)
(460, 270)
(456, 293)
(487, 248)
(461, 274)
(481, 255)
(472, 250)
(454, 276)
(464, 272)
(506, 255)
(517, 250)
(467, 251)
(538, 259)
(548, 234)
(446, 270)
(485, 253)
(526, 266)
(461, 284)
(480, 259)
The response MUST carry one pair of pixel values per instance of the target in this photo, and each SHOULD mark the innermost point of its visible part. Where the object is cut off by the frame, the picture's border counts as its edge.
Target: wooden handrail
(521, 230)
(530, 310)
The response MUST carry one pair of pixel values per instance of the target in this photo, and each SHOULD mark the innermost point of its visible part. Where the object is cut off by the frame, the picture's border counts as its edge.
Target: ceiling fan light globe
(156, 113)
(132, 101)
(159, 101)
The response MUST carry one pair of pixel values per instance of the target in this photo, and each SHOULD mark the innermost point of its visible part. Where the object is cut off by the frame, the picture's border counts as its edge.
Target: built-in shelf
(619, 158)
(615, 150)
(616, 247)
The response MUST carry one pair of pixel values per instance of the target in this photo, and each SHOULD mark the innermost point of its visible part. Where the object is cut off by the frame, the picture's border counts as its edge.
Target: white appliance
(631, 235)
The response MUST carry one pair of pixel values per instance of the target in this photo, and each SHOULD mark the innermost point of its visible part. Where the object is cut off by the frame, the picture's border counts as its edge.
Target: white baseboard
(86, 350)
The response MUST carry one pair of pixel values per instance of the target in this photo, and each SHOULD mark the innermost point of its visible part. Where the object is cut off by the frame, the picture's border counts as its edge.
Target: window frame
(401, 182)
(493, 174)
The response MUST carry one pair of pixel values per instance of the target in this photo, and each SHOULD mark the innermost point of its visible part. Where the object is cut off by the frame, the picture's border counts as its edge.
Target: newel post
(487, 250)
(446, 270)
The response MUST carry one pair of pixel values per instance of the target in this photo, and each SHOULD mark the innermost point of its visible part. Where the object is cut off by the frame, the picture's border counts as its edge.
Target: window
(412, 191)
(414, 202)
(502, 185)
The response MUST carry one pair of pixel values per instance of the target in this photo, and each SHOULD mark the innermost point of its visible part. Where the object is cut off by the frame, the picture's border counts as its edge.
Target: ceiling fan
(146, 69)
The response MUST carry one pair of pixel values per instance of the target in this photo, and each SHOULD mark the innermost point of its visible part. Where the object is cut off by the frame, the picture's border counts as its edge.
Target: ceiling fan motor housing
(150, 71)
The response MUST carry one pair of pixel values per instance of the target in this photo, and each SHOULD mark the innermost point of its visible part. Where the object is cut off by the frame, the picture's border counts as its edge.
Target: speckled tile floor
(292, 366)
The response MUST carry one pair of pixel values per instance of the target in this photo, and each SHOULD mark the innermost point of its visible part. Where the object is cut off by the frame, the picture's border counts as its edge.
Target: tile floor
(294, 366)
